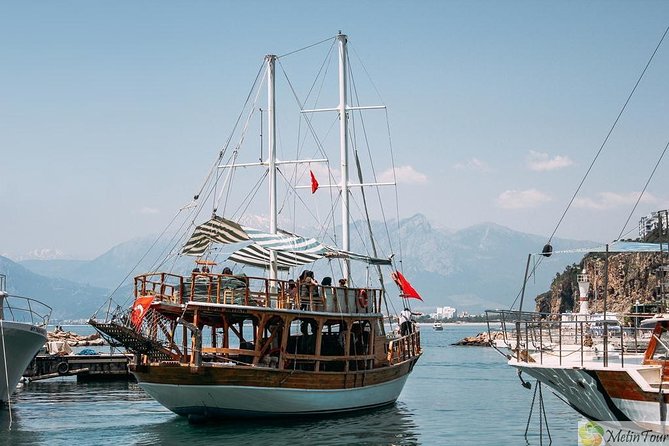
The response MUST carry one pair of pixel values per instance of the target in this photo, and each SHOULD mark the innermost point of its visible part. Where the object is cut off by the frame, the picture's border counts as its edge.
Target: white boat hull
(587, 394)
(247, 401)
(19, 343)
(578, 387)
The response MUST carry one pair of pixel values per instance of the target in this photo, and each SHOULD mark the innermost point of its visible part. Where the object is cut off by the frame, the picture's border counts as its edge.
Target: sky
(112, 112)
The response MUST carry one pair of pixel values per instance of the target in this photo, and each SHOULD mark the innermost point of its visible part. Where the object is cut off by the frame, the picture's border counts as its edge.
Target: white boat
(593, 361)
(22, 334)
(218, 344)
(438, 326)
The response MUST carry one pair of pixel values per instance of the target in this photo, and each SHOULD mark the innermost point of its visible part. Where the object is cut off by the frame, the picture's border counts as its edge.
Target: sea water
(455, 396)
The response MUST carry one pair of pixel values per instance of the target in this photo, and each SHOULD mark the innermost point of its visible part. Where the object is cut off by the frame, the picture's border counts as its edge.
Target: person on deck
(406, 322)
(308, 288)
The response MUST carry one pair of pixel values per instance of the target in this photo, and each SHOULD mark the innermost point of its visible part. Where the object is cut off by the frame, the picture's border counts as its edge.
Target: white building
(652, 221)
(445, 313)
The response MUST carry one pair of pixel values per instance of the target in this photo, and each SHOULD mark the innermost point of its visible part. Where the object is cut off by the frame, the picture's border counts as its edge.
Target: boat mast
(343, 143)
(271, 134)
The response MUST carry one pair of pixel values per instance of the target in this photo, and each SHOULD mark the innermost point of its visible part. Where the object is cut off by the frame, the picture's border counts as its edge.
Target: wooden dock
(99, 367)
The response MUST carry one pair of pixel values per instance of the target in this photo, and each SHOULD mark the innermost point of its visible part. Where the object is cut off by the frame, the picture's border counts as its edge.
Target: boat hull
(259, 392)
(605, 394)
(19, 343)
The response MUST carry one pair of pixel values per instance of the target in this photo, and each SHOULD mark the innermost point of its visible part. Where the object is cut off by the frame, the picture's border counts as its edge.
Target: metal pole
(271, 131)
(522, 293)
(606, 292)
(343, 145)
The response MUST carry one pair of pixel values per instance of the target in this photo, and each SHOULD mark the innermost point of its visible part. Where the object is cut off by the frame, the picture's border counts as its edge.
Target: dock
(98, 367)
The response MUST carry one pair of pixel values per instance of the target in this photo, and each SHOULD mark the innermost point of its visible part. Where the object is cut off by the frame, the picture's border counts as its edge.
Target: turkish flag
(314, 183)
(405, 287)
(139, 309)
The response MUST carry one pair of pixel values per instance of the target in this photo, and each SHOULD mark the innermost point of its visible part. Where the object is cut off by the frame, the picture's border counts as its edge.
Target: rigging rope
(622, 110)
(306, 47)
(644, 190)
(599, 151)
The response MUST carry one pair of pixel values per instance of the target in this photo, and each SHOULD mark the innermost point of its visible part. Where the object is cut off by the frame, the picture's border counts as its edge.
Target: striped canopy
(292, 250)
(256, 255)
(218, 230)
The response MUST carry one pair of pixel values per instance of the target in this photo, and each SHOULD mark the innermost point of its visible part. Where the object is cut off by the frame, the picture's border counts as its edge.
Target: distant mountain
(68, 299)
(476, 268)
(115, 267)
(472, 269)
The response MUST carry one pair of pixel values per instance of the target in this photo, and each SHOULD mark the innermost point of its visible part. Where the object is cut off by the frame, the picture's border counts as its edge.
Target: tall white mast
(271, 132)
(343, 142)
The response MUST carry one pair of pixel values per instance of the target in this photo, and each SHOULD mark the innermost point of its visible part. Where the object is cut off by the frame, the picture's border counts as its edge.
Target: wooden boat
(217, 344)
(23, 324)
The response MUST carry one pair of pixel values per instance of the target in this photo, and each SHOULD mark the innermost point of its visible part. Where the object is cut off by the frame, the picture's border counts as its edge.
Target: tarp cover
(620, 246)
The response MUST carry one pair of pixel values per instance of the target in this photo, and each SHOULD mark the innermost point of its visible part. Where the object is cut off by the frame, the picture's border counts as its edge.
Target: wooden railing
(257, 291)
(404, 348)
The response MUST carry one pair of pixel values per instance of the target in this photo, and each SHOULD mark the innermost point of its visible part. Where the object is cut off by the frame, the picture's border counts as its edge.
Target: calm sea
(455, 396)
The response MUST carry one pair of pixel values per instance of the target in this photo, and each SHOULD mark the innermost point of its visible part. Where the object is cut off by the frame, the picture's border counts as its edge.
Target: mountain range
(472, 269)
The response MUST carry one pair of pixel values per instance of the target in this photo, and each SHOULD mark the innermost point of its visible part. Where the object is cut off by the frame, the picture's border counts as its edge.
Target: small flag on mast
(314, 183)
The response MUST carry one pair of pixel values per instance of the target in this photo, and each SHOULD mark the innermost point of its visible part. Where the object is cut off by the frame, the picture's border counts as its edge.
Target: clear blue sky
(111, 112)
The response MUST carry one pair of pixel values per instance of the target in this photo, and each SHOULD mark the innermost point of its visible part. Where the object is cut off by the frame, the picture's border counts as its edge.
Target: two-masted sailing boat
(213, 343)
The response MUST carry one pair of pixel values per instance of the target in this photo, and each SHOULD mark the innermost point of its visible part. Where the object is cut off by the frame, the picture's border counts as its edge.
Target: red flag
(314, 183)
(406, 289)
(139, 310)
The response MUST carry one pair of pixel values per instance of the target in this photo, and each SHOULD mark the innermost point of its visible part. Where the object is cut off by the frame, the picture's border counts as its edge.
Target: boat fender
(63, 368)
(363, 301)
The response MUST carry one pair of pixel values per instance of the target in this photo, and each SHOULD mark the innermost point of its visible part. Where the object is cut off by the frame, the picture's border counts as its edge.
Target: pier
(97, 367)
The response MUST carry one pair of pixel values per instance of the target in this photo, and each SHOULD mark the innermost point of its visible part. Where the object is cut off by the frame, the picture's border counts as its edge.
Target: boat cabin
(242, 320)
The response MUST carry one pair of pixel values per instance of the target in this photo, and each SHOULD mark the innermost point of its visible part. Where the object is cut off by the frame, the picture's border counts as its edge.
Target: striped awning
(256, 255)
(292, 250)
(217, 230)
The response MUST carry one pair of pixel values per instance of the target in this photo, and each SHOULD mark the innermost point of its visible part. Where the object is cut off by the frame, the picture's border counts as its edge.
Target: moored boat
(593, 361)
(23, 324)
(226, 344)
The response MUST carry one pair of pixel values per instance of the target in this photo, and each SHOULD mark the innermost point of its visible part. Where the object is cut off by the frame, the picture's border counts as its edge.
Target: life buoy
(363, 301)
(63, 368)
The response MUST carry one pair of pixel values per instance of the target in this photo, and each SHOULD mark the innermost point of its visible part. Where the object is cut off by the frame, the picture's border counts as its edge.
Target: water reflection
(393, 425)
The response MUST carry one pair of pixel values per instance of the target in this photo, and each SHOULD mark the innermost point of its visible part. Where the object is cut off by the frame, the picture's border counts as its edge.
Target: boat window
(660, 352)
(303, 336)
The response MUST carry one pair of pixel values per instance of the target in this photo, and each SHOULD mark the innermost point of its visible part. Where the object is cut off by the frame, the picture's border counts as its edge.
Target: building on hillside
(652, 221)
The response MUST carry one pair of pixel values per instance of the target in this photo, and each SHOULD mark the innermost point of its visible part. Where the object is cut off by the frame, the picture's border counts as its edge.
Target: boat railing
(404, 348)
(24, 309)
(565, 339)
(256, 291)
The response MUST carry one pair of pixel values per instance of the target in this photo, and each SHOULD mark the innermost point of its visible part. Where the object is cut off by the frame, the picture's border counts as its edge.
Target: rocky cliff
(632, 277)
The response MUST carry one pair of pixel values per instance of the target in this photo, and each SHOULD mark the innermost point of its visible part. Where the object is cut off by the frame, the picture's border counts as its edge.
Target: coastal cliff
(631, 278)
